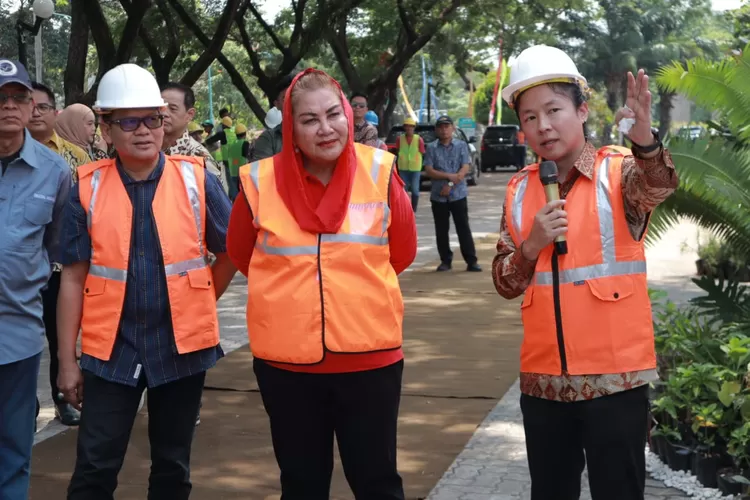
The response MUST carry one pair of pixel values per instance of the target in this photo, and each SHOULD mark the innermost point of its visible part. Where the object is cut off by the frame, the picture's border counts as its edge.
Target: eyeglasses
(17, 98)
(132, 124)
(358, 105)
(43, 109)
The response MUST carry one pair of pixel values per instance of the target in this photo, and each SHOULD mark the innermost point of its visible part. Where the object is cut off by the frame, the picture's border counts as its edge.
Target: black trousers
(49, 315)
(607, 433)
(109, 410)
(307, 409)
(442, 212)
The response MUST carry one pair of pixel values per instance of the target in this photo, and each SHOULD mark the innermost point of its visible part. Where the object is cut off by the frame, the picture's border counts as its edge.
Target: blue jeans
(412, 181)
(17, 418)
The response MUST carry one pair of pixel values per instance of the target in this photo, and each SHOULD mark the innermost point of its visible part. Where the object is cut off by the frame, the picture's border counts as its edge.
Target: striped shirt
(145, 344)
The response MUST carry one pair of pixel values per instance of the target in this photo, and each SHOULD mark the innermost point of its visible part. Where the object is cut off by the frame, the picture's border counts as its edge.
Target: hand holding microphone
(551, 222)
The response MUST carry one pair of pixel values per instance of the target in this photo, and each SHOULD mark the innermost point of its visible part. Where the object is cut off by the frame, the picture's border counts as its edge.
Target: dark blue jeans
(17, 416)
(412, 181)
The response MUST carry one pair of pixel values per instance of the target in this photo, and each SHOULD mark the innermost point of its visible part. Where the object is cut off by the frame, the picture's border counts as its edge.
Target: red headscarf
(328, 216)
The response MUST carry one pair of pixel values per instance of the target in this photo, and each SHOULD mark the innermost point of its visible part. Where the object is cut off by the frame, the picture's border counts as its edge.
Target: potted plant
(733, 481)
(706, 461)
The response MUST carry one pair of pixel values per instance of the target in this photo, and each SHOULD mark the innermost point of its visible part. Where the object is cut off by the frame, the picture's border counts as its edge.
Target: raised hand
(638, 107)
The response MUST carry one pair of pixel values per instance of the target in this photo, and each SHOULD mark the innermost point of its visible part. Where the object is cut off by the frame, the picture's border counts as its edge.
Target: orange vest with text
(587, 312)
(312, 293)
(179, 209)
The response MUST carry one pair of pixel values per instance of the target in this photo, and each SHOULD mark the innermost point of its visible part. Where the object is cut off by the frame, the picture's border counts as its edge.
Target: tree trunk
(74, 79)
(665, 112)
(613, 102)
(387, 115)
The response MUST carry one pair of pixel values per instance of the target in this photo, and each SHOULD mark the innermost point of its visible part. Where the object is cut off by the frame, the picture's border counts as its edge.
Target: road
(669, 265)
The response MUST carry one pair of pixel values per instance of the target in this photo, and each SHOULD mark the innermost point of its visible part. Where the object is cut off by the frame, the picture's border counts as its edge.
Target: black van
(500, 148)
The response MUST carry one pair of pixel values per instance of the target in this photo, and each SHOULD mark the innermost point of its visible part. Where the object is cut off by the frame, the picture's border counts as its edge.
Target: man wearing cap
(237, 155)
(34, 187)
(269, 142)
(178, 114)
(196, 132)
(137, 283)
(410, 152)
(447, 162)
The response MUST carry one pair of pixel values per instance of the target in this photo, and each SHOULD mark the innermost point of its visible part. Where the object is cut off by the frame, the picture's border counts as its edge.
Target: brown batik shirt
(645, 184)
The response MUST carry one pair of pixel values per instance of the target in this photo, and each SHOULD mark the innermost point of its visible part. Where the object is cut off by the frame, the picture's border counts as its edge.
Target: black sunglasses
(131, 124)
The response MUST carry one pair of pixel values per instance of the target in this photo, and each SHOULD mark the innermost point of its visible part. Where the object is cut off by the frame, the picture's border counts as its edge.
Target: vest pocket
(528, 297)
(200, 278)
(95, 285)
(612, 289)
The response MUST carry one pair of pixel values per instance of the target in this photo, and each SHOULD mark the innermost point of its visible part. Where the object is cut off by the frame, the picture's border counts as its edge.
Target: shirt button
(140, 253)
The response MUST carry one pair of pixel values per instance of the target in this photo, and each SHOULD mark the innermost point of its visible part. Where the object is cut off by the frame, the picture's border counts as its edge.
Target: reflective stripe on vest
(188, 275)
(597, 318)
(409, 156)
(315, 293)
(609, 266)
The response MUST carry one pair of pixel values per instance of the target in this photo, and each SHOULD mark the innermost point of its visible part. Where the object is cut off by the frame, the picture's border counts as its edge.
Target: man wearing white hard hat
(588, 350)
(137, 282)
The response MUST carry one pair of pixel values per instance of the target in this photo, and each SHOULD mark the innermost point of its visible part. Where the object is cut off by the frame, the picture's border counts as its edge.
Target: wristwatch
(640, 150)
(450, 184)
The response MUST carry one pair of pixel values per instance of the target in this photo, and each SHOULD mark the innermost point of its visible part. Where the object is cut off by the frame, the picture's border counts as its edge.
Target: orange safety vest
(179, 209)
(586, 312)
(312, 293)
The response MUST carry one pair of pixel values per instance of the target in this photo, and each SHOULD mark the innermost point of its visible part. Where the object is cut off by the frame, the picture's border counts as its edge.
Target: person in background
(270, 141)
(225, 137)
(318, 213)
(77, 125)
(364, 133)
(372, 119)
(42, 128)
(34, 187)
(180, 111)
(447, 162)
(136, 267)
(196, 132)
(588, 355)
(237, 155)
(208, 127)
(410, 154)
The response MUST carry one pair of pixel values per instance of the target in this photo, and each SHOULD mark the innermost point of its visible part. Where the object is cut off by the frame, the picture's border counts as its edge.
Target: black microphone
(548, 176)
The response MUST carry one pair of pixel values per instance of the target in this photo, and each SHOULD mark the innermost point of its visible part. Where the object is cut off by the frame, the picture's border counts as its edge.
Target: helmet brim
(511, 92)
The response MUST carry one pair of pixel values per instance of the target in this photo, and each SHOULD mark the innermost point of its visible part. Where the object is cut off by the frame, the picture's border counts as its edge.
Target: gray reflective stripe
(191, 184)
(609, 266)
(95, 180)
(271, 250)
(593, 272)
(518, 204)
(109, 273)
(354, 238)
(254, 169)
(376, 159)
(386, 215)
(185, 266)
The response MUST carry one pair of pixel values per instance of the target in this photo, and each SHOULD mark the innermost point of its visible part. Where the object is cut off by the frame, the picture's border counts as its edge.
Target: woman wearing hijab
(77, 124)
(322, 230)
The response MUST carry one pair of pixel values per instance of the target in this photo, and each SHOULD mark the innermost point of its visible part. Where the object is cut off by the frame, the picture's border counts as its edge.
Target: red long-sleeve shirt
(402, 243)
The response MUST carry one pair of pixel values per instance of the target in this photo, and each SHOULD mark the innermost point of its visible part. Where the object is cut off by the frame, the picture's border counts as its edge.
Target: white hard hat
(541, 64)
(128, 86)
(273, 117)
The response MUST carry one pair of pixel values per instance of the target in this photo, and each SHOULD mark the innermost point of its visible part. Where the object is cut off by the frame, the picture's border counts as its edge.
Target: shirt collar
(585, 162)
(453, 141)
(126, 179)
(56, 140)
(28, 152)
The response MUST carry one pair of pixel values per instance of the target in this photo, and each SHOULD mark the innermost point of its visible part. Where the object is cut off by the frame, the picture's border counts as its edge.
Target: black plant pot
(706, 468)
(678, 457)
(726, 484)
(655, 444)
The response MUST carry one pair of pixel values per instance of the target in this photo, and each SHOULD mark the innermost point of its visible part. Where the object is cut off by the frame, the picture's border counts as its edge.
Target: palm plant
(714, 189)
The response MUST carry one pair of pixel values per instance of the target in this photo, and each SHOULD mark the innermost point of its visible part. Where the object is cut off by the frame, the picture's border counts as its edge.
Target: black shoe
(443, 267)
(67, 414)
(474, 268)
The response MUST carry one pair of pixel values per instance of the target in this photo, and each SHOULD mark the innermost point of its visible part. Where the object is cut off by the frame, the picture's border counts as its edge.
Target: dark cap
(443, 120)
(13, 72)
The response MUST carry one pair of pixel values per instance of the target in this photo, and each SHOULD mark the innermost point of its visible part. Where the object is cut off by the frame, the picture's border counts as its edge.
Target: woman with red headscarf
(322, 230)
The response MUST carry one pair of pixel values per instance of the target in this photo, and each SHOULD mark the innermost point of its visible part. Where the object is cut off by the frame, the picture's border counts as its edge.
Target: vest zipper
(322, 308)
(558, 311)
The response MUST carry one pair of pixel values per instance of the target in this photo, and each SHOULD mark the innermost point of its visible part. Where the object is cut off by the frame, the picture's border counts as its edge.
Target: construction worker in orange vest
(137, 282)
(588, 348)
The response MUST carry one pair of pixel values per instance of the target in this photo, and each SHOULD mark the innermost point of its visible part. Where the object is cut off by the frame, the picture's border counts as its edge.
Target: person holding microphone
(588, 349)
